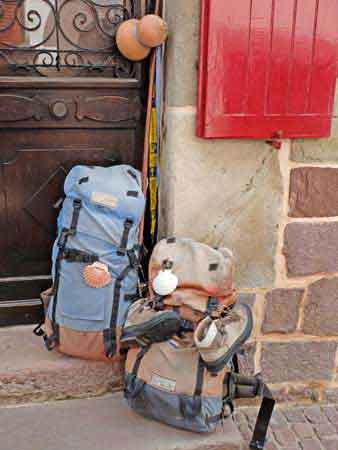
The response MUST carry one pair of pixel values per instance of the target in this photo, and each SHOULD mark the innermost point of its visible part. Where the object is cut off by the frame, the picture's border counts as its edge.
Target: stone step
(29, 373)
(104, 423)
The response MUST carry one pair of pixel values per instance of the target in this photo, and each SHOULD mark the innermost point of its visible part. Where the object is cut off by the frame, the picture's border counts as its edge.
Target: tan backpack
(169, 382)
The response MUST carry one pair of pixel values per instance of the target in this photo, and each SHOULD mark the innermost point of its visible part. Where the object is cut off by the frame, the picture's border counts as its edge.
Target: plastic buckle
(38, 331)
(128, 223)
(77, 203)
(62, 240)
(133, 259)
(50, 342)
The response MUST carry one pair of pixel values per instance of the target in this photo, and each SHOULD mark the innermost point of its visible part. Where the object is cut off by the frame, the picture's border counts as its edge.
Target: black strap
(213, 305)
(115, 309)
(77, 204)
(124, 241)
(109, 342)
(191, 408)
(200, 378)
(240, 386)
(133, 175)
(72, 255)
(138, 360)
(263, 419)
(134, 194)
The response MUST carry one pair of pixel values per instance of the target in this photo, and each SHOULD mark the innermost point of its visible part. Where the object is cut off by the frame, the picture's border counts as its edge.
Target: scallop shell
(153, 30)
(128, 43)
(165, 283)
(97, 275)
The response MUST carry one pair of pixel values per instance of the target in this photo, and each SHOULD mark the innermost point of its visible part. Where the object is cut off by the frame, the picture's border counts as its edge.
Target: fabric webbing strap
(239, 386)
(72, 255)
(124, 241)
(115, 310)
(138, 360)
(199, 379)
(263, 420)
(77, 204)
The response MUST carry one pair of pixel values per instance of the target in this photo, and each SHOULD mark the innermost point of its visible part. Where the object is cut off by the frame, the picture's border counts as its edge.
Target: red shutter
(267, 68)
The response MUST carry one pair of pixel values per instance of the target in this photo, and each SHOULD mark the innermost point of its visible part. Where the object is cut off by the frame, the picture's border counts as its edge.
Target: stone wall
(278, 212)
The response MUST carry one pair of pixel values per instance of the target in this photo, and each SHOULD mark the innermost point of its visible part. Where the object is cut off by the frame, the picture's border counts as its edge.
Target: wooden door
(67, 97)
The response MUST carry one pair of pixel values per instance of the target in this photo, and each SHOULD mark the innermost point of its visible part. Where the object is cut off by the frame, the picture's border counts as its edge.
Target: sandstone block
(298, 361)
(314, 192)
(321, 308)
(282, 310)
(311, 248)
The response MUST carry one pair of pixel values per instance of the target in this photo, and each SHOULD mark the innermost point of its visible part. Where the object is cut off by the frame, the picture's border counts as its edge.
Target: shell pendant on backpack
(166, 282)
(97, 275)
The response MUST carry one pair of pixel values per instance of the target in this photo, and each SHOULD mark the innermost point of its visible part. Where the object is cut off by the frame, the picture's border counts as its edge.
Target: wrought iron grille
(64, 37)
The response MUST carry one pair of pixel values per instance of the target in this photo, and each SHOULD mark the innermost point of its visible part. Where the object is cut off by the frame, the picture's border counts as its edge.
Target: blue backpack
(98, 224)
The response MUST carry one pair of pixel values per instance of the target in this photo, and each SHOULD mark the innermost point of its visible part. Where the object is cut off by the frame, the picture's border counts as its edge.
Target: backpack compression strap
(249, 387)
(52, 341)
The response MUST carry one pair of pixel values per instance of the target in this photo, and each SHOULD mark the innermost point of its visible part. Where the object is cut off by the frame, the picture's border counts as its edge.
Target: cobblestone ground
(295, 428)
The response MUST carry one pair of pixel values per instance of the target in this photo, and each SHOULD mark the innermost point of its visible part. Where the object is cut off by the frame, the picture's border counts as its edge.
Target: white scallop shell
(97, 275)
(165, 282)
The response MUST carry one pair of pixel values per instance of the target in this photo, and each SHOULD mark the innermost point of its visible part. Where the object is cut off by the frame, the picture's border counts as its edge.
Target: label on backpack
(163, 383)
(100, 198)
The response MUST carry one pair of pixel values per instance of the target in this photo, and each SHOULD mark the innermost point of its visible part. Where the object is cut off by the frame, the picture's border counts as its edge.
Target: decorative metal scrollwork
(64, 37)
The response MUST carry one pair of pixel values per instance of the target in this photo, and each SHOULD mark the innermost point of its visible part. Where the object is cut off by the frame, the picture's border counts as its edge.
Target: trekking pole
(146, 149)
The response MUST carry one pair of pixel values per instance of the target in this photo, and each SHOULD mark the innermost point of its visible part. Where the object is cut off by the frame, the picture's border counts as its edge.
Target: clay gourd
(135, 38)
(153, 30)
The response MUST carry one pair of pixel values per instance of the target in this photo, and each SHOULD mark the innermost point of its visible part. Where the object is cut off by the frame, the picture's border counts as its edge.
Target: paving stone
(330, 444)
(282, 310)
(240, 418)
(303, 430)
(315, 415)
(286, 437)
(314, 192)
(245, 431)
(270, 445)
(331, 413)
(311, 444)
(311, 248)
(278, 419)
(295, 446)
(251, 415)
(325, 430)
(321, 308)
(294, 415)
(298, 361)
(332, 395)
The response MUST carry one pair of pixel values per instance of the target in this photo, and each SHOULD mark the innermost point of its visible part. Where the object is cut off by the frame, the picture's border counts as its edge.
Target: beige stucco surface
(224, 192)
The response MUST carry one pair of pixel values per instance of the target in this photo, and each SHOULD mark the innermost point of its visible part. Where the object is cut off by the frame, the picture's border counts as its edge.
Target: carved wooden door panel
(67, 97)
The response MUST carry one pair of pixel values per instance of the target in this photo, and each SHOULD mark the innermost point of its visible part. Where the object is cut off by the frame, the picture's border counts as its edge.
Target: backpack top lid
(197, 266)
(116, 188)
